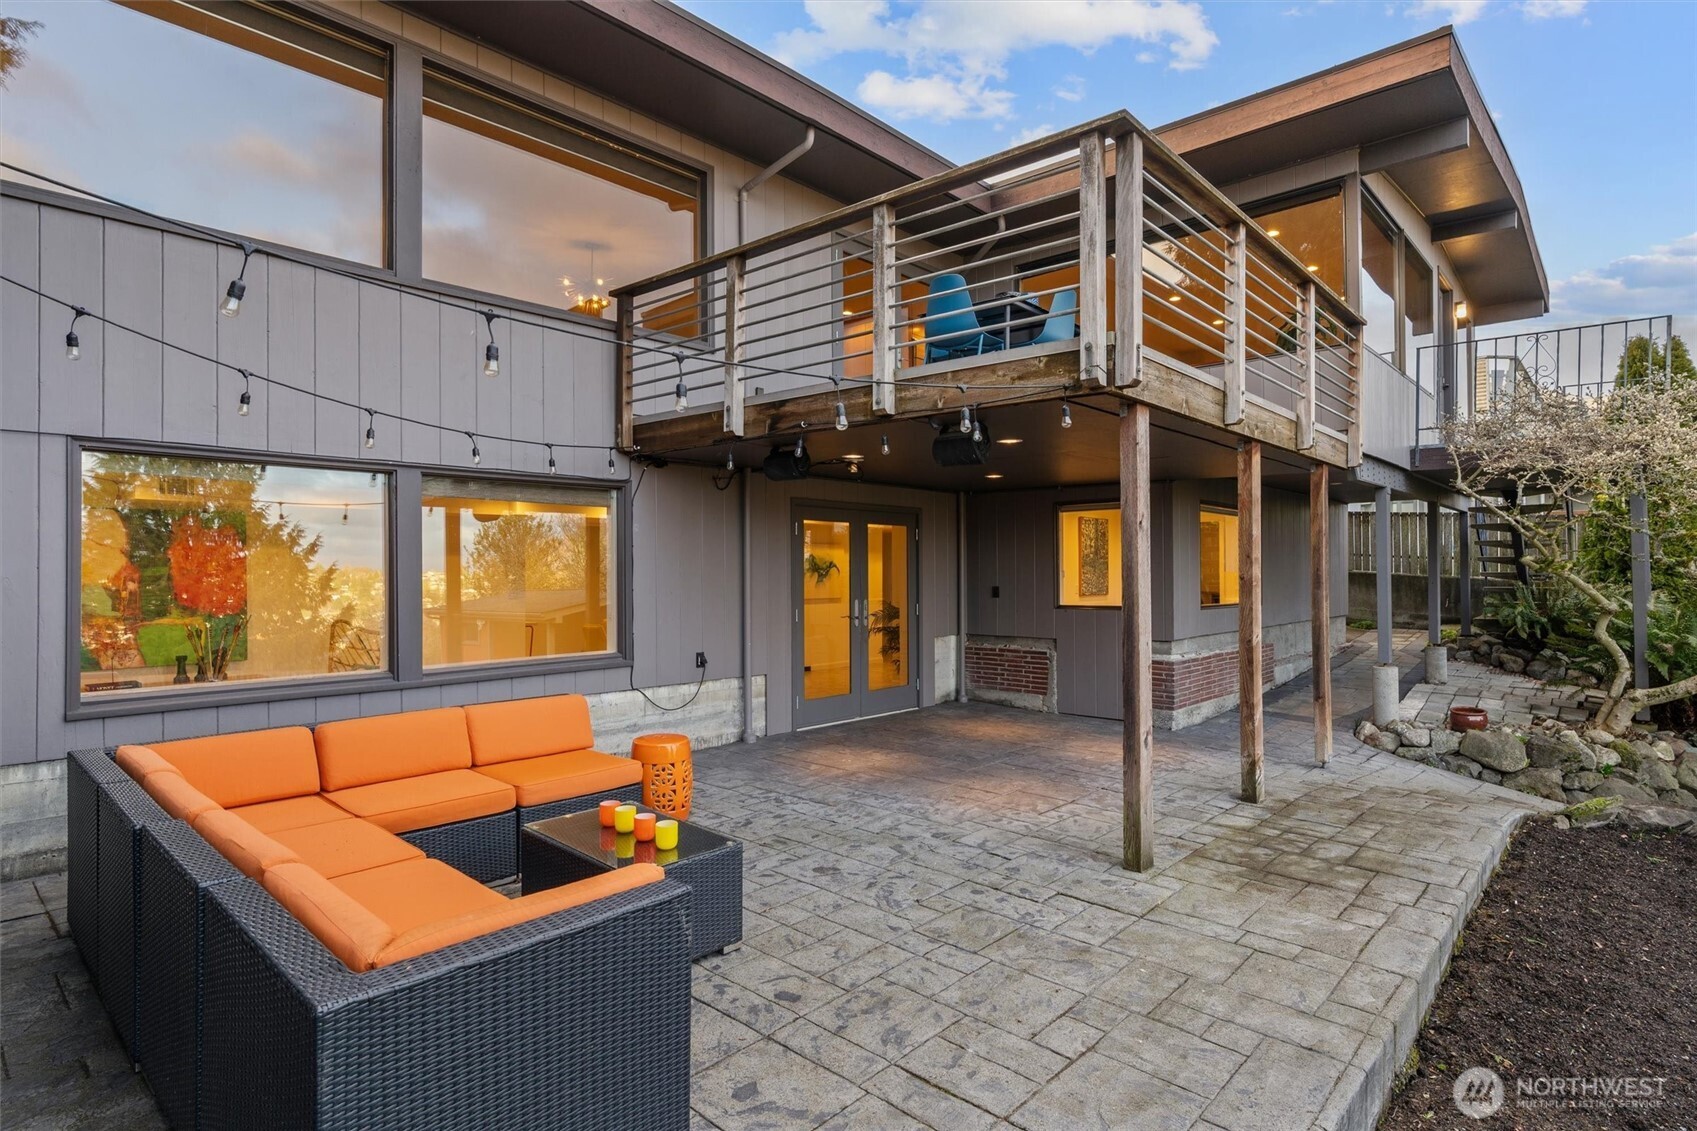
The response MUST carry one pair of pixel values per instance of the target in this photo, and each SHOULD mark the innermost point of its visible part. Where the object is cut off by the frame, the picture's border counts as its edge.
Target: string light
(491, 353)
(232, 304)
(610, 469)
(842, 417)
(476, 456)
(730, 460)
(800, 445)
(682, 390)
(344, 514)
(370, 429)
(965, 419)
(73, 348)
(552, 466)
(884, 445)
(246, 400)
(1066, 415)
(977, 430)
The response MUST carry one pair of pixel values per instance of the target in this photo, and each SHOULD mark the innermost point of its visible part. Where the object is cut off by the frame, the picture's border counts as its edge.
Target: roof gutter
(762, 177)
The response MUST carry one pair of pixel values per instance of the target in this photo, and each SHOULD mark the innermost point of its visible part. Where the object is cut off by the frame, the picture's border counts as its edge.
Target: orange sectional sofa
(360, 844)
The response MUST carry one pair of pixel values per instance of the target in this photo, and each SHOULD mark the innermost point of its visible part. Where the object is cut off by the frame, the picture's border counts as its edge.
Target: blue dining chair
(1062, 323)
(951, 328)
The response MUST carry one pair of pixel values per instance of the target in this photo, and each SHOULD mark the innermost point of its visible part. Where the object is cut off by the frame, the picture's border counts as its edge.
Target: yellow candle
(665, 835)
(624, 818)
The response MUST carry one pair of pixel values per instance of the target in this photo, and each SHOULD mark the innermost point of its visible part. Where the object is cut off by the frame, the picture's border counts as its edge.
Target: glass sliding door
(854, 614)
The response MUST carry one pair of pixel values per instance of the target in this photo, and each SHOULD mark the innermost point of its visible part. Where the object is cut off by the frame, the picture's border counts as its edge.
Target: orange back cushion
(176, 796)
(247, 768)
(250, 850)
(528, 728)
(472, 924)
(139, 761)
(346, 928)
(386, 747)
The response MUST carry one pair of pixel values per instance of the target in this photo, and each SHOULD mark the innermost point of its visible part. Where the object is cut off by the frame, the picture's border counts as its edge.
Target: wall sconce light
(1460, 312)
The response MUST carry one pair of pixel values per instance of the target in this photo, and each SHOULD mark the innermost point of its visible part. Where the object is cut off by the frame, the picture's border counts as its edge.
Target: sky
(1596, 101)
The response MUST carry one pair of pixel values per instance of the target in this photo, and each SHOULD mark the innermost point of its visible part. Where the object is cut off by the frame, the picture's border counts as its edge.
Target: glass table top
(583, 834)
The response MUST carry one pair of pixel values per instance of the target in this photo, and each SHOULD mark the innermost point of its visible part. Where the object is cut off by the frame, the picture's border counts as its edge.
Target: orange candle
(607, 808)
(624, 818)
(645, 826)
(666, 835)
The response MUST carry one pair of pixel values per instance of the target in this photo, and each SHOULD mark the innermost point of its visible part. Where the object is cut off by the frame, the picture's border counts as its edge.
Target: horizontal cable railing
(1015, 255)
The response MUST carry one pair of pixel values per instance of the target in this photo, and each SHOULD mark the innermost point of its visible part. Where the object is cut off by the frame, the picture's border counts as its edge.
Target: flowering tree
(209, 577)
(1590, 453)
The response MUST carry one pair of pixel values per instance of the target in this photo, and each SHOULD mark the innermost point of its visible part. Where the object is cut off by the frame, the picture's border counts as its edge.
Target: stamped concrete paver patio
(938, 932)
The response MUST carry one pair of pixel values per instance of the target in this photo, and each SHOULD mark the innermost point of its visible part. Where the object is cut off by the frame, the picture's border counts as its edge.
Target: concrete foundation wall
(1408, 598)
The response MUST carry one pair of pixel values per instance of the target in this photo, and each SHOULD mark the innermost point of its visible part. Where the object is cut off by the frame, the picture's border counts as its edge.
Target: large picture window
(199, 572)
(520, 204)
(244, 117)
(1219, 556)
(516, 571)
(1090, 556)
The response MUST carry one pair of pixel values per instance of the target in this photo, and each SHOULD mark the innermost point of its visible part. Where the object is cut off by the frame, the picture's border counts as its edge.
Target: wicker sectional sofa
(272, 921)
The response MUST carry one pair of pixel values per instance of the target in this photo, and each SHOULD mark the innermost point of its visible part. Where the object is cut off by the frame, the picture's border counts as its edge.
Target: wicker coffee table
(561, 850)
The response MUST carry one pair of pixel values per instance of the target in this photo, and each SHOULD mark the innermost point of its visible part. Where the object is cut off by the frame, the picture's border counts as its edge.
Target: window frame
(1115, 561)
(403, 589)
(1222, 509)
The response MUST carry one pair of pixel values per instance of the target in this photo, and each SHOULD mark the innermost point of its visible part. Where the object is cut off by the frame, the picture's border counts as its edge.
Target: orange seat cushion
(528, 728)
(337, 848)
(139, 761)
(247, 768)
(290, 813)
(250, 850)
(431, 799)
(355, 752)
(415, 892)
(472, 924)
(352, 933)
(556, 777)
(176, 796)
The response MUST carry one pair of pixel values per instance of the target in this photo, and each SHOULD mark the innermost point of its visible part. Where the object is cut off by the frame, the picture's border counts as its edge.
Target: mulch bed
(1580, 961)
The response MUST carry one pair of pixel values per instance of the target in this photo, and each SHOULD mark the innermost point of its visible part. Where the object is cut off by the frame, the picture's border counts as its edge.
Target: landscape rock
(1421, 754)
(1411, 734)
(1582, 679)
(1625, 790)
(1559, 821)
(1456, 764)
(1662, 750)
(1605, 755)
(1540, 781)
(1585, 780)
(1679, 798)
(1687, 773)
(1490, 776)
(1510, 663)
(1594, 811)
(1655, 818)
(1445, 741)
(1657, 775)
(1495, 750)
(1550, 753)
(1598, 737)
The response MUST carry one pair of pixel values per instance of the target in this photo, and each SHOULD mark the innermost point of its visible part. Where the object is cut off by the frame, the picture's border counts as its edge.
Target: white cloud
(956, 54)
(1032, 133)
(1660, 281)
(1553, 9)
(1147, 56)
(1070, 89)
(1456, 12)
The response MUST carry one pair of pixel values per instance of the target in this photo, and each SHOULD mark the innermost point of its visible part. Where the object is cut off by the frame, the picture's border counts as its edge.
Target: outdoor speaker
(783, 464)
(959, 449)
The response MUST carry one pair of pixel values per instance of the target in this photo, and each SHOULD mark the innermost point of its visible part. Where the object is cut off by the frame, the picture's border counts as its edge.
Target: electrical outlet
(701, 659)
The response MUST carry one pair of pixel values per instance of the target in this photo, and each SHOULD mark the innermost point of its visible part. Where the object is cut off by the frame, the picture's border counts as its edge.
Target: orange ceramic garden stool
(667, 780)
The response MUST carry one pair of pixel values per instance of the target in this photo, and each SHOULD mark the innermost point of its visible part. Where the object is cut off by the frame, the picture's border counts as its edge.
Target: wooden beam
(1128, 260)
(734, 414)
(1251, 736)
(883, 310)
(1092, 263)
(625, 355)
(1320, 611)
(1445, 137)
(1500, 217)
(1237, 324)
(1136, 640)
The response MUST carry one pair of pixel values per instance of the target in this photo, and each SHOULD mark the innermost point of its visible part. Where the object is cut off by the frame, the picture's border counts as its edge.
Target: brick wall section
(1025, 671)
(1185, 682)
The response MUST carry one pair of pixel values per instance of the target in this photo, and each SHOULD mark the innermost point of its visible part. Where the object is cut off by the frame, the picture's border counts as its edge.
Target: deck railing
(1022, 249)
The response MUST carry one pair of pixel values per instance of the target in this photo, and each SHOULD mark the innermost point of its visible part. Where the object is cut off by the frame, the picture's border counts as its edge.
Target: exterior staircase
(1499, 546)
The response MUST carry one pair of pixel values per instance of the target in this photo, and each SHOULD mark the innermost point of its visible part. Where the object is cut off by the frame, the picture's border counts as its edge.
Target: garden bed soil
(1580, 961)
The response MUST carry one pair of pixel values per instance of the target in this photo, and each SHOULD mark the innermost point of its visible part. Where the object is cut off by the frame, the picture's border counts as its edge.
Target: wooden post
(883, 310)
(1250, 730)
(1320, 612)
(1308, 411)
(1128, 260)
(1092, 262)
(624, 351)
(1237, 322)
(1434, 573)
(1136, 640)
(734, 268)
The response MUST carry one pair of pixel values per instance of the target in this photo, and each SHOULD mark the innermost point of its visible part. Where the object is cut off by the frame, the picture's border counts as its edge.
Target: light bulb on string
(552, 466)
(370, 429)
(965, 419)
(237, 290)
(73, 347)
(884, 445)
(245, 401)
(1066, 415)
(611, 470)
(344, 514)
(842, 417)
(977, 430)
(682, 391)
(491, 352)
(476, 456)
(800, 445)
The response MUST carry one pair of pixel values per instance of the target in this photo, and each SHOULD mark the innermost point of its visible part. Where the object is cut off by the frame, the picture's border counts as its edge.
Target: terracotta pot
(1469, 718)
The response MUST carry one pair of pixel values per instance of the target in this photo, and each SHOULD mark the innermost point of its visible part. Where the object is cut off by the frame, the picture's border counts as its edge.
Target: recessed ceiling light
(1010, 440)
(1274, 232)
(994, 475)
(854, 457)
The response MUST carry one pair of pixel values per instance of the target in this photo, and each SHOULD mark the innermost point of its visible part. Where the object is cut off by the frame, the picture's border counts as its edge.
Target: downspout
(762, 177)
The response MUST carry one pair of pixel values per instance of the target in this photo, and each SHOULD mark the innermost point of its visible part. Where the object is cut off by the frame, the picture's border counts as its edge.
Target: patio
(938, 932)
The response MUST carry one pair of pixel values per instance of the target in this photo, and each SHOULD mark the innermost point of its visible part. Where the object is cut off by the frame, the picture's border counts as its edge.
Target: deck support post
(1320, 611)
(1237, 322)
(1251, 734)
(625, 353)
(734, 268)
(1309, 410)
(883, 310)
(1386, 693)
(1092, 262)
(1437, 656)
(1136, 640)
(1464, 566)
(1128, 260)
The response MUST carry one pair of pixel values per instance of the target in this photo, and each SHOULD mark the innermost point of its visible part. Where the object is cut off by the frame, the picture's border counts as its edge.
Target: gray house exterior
(372, 379)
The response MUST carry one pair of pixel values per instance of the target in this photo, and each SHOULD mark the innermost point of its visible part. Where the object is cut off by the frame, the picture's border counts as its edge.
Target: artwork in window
(516, 571)
(1219, 548)
(1090, 556)
(200, 571)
